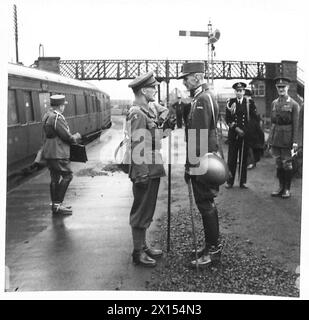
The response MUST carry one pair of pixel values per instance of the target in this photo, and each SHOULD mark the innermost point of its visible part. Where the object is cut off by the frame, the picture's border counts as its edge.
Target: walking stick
(169, 194)
(240, 164)
(192, 221)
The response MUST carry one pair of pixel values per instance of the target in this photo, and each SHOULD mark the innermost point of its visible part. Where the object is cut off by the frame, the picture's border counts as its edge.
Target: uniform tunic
(201, 117)
(237, 112)
(56, 151)
(284, 131)
(146, 166)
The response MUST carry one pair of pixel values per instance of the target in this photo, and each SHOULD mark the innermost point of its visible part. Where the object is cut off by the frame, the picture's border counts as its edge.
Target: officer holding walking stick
(202, 121)
(238, 113)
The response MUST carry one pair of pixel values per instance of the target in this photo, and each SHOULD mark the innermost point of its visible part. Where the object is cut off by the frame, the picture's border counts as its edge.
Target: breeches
(59, 168)
(144, 203)
(283, 158)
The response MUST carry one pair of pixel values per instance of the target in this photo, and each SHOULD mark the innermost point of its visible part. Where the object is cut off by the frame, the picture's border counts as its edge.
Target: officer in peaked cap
(282, 81)
(239, 86)
(143, 81)
(202, 120)
(239, 111)
(56, 151)
(283, 137)
(145, 174)
(57, 100)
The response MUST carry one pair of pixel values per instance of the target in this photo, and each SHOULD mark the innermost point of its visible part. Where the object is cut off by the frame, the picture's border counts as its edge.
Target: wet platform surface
(90, 250)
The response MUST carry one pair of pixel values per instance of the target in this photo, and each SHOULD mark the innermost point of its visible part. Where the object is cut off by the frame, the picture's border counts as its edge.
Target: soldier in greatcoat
(283, 137)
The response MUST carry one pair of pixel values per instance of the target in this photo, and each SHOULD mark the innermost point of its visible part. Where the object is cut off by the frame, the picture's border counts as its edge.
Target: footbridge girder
(164, 69)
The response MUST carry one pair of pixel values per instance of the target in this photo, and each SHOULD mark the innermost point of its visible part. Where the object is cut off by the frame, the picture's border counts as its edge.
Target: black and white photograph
(154, 149)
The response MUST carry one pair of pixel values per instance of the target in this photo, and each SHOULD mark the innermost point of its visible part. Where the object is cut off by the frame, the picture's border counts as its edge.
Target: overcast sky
(263, 30)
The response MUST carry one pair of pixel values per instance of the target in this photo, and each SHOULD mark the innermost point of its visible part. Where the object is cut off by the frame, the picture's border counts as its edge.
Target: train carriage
(29, 89)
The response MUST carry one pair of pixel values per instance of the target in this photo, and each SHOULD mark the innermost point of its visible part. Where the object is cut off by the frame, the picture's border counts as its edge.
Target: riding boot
(211, 227)
(281, 177)
(288, 178)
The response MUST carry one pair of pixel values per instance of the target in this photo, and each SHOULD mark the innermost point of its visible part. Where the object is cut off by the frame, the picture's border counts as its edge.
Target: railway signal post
(212, 37)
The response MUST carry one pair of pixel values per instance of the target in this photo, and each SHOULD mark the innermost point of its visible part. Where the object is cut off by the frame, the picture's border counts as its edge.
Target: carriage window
(70, 107)
(28, 106)
(81, 104)
(44, 102)
(12, 107)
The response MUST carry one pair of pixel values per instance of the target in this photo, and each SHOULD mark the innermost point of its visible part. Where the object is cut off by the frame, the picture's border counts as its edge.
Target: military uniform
(56, 151)
(145, 170)
(237, 117)
(203, 115)
(283, 134)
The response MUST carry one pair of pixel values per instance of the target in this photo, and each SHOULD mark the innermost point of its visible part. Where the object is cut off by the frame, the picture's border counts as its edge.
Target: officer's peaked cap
(191, 67)
(57, 100)
(239, 85)
(143, 81)
(282, 81)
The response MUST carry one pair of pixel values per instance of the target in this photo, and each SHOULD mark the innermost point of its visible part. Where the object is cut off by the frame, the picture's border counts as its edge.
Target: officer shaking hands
(202, 120)
(283, 135)
(146, 167)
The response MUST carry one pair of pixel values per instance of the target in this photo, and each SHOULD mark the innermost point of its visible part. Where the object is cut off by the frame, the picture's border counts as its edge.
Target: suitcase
(78, 153)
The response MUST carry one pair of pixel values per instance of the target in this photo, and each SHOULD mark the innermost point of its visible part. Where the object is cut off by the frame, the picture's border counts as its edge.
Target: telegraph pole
(16, 32)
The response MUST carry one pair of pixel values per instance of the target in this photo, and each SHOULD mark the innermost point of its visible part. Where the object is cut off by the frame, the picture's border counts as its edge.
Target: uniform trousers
(143, 208)
(61, 175)
(204, 199)
(238, 148)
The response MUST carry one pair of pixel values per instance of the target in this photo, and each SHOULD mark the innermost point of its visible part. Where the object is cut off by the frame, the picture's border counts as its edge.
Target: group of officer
(144, 120)
(203, 114)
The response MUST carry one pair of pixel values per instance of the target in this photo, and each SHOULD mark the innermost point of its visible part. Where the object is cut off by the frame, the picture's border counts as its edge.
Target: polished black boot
(152, 252)
(141, 258)
(281, 177)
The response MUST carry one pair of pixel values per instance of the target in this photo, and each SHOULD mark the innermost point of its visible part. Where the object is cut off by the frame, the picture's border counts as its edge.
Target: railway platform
(90, 250)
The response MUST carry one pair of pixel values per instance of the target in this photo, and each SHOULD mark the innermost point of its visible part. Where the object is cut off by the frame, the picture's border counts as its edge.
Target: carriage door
(44, 102)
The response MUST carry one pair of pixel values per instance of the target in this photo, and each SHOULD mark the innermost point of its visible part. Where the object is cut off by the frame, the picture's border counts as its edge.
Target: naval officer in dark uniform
(238, 112)
(283, 135)
(202, 120)
(56, 151)
(146, 166)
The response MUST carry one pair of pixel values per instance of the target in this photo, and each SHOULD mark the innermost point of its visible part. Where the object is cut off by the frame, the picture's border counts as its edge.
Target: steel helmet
(212, 170)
